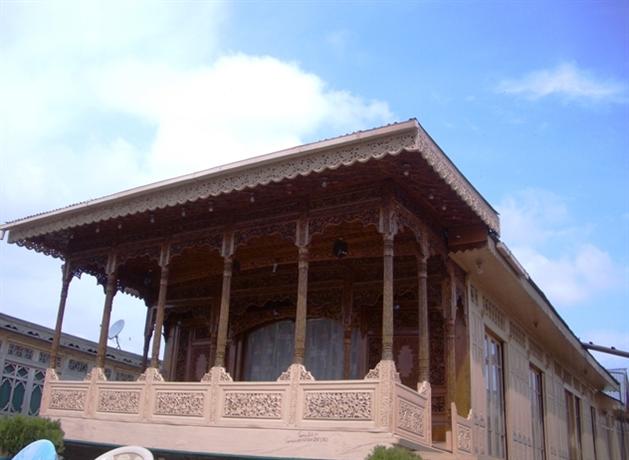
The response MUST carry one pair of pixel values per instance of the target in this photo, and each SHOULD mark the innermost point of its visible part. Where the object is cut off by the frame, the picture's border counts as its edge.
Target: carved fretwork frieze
(367, 215)
(339, 199)
(285, 230)
(211, 239)
(150, 252)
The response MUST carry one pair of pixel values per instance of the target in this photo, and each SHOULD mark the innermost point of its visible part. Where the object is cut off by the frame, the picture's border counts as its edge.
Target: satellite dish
(115, 330)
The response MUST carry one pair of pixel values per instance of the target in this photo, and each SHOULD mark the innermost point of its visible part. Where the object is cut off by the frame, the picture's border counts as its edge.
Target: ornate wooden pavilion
(312, 302)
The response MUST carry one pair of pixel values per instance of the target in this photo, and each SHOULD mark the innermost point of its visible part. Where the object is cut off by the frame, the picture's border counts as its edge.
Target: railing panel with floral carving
(120, 399)
(462, 432)
(338, 403)
(412, 413)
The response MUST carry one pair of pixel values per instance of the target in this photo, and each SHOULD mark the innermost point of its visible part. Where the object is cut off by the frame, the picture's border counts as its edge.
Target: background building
(25, 356)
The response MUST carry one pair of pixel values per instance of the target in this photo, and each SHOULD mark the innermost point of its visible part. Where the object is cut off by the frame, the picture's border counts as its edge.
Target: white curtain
(269, 350)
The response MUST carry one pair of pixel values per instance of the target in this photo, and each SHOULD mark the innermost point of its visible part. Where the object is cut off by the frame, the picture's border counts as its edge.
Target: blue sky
(529, 99)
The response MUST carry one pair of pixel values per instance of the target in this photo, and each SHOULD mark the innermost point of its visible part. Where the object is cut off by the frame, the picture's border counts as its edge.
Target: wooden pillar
(66, 277)
(387, 299)
(213, 332)
(302, 241)
(148, 332)
(388, 229)
(110, 292)
(164, 262)
(450, 312)
(227, 252)
(422, 301)
(347, 328)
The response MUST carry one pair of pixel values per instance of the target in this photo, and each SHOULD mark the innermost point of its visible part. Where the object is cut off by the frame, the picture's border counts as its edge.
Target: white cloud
(565, 80)
(533, 222)
(102, 96)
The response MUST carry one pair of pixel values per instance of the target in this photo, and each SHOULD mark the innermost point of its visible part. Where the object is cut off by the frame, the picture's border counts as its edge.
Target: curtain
(269, 350)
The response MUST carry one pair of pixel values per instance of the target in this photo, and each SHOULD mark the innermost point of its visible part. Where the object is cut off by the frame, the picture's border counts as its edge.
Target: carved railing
(379, 403)
(412, 412)
(462, 433)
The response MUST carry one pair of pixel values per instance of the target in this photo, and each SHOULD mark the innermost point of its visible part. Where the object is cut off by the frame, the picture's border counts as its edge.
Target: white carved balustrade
(412, 412)
(379, 403)
(462, 433)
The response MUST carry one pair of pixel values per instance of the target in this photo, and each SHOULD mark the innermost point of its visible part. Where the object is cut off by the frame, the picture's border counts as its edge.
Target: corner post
(388, 228)
(301, 241)
(450, 314)
(227, 252)
(422, 304)
(111, 270)
(164, 263)
(66, 276)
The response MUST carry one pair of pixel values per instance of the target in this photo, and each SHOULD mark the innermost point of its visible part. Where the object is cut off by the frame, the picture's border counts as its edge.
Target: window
(594, 431)
(21, 389)
(494, 386)
(573, 406)
(537, 412)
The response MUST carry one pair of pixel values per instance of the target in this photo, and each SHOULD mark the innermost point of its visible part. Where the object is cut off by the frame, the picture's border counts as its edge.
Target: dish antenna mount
(115, 330)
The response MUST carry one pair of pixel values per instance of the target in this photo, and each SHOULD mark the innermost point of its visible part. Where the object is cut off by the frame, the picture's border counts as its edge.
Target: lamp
(339, 249)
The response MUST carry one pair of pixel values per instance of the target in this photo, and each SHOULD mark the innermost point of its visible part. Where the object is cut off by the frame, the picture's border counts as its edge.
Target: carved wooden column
(148, 332)
(213, 331)
(301, 240)
(164, 262)
(110, 292)
(449, 298)
(388, 229)
(66, 277)
(347, 328)
(387, 298)
(422, 305)
(227, 252)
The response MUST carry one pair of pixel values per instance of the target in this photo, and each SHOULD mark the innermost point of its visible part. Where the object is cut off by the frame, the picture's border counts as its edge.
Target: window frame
(496, 407)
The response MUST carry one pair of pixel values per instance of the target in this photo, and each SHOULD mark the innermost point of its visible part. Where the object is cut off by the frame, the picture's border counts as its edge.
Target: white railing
(462, 433)
(379, 403)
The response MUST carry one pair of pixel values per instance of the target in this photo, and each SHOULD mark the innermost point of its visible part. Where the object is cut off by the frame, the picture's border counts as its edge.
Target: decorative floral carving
(376, 373)
(125, 402)
(464, 438)
(253, 405)
(217, 374)
(338, 405)
(151, 374)
(181, 403)
(299, 369)
(373, 374)
(68, 399)
(97, 374)
(411, 418)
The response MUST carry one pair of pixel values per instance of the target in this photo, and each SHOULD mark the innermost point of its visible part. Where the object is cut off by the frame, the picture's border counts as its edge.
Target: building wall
(599, 438)
(23, 363)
